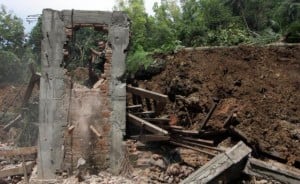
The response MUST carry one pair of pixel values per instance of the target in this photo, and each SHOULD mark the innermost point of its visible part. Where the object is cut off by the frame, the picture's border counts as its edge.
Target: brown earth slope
(261, 84)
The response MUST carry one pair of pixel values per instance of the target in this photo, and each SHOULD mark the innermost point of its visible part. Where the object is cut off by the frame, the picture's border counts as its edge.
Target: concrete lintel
(72, 17)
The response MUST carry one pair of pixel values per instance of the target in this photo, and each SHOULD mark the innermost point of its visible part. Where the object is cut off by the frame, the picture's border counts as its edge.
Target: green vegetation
(14, 56)
(193, 23)
(173, 24)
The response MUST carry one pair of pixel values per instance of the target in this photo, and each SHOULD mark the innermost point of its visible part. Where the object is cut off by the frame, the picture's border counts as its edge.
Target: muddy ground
(261, 85)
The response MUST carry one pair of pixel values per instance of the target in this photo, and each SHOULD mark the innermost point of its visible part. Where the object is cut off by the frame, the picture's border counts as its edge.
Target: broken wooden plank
(229, 120)
(210, 133)
(273, 155)
(35, 79)
(193, 148)
(150, 113)
(150, 138)
(212, 109)
(200, 145)
(71, 128)
(6, 127)
(147, 125)
(134, 107)
(201, 141)
(147, 94)
(275, 170)
(19, 170)
(25, 170)
(223, 168)
(18, 151)
(95, 131)
(185, 132)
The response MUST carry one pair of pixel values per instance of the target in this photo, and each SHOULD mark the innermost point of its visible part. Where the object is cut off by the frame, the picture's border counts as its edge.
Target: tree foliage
(139, 20)
(164, 35)
(35, 39)
(207, 22)
(12, 31)
(141, 27)
(11, 67)
(13, 54)
(173, 24)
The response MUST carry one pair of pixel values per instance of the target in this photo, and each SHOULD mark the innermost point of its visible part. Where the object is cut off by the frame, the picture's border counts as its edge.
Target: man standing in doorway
(98, 58)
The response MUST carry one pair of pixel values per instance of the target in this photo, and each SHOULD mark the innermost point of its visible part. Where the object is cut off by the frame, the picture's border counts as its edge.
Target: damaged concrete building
(196, 138)
(81, 123)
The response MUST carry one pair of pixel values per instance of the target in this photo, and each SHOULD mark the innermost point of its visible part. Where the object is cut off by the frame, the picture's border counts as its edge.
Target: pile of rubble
(236, 164)
(204, 158)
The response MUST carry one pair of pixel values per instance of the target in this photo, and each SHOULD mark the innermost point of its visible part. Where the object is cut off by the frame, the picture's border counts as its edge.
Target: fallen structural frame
(223, 167)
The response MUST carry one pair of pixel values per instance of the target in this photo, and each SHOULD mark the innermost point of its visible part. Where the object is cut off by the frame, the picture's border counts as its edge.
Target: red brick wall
(90, 107)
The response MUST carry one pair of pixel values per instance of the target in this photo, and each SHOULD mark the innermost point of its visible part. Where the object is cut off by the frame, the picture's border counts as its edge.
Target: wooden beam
(19, 170)
(201, 141)
(224, 168)
(147, 125)
(200, 145)
(211, 111)
(280, 172)
(185, 132)
(134, 107)
(95, 131)
(25, 170)
(147, 94)
(150, 138)
(34, 79)
(71, 128)
(6, 127)
(18, 151)
(193, 148)
(176, 127)
(150, 113)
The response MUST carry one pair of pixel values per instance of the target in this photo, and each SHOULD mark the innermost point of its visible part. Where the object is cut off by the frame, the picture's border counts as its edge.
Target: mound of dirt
(260, 84)
(11, 96)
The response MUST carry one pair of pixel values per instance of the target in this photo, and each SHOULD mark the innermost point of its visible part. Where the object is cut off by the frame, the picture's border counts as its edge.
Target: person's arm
(95, 52)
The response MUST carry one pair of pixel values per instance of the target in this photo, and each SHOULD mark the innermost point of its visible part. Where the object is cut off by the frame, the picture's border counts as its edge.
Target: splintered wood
(18, 151)
(17, 170)
(145, 124)
(161, 128)
(22, 169)
(221, 165)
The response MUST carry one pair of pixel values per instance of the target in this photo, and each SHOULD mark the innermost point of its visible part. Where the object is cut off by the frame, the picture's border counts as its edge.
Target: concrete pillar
(56, 94)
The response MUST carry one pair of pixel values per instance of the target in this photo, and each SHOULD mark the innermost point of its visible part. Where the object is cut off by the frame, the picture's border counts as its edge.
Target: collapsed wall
(77, 122)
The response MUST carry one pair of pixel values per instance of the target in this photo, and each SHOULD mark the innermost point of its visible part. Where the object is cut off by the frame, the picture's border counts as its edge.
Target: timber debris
(220, 164)
(25, 162)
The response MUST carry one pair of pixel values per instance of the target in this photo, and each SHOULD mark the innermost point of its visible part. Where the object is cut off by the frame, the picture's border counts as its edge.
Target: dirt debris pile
(255, 92)
(259, 85)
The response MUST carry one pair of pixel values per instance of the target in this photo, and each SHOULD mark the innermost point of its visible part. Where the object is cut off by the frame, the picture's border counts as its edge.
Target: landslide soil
(260, 84)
